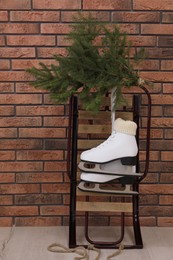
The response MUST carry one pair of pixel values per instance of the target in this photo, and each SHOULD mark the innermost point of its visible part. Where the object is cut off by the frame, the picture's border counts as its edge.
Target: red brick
(55, 188)
(38, 177)
(157, 29)
(42, 132)
(165, 221)
(129, 28)
(55, 166)
(52, 28)
(6, 200)
(35, 199)
(19, 28)
(144, 221)
(136, 17)
(168, 111)
(157, 76)
(2, 40)
(156, 189)
(8, 133)
(156, 111)
(160, 167)
(21, 166)
(6, 87)
(17, 52)
(56, 144)
(166, 65)
(5, 156)
(62, 41)
(49, 52)
(162, 122)
(39, 155)
(20, 144)
(159, 145)
(168, 88)
(51, 4)
(5, 64)
(20, 99)
(54, 210)
(148, 65)
(58, 121)
(166, 178)
(32, 40)
(166, 156)
(107, 5)
(6, 222)
(47, 99)
(152, 5)
(3, 16)
(167, 17)
(162, 99)
(165, 200)
(18, 210)
(15, 76)
(148, 221)
(155, 133)
(25, 87)
(40, 111)
(150, 178)
(142, 40)
(37, 16)
(19, 188)
(168, 133)
(7, 177)
(154, 155)
(148, 199)
(156, 210)
(68, 16)
(37, 221)
(159, 53)
(20, 121)
(15, 4)
(18, 64)
(165, 41)
(7, 111)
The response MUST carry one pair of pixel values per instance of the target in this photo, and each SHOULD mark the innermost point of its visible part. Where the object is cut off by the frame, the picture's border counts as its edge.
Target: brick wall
(34, 188)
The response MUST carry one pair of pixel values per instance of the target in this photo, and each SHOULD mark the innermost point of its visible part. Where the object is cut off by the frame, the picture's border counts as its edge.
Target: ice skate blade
(97, 189)
(128, 160)
(95, 168)
(98, 178)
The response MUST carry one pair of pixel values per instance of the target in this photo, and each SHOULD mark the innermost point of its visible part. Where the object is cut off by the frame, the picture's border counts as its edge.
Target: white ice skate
(115, 154)
(113, 159)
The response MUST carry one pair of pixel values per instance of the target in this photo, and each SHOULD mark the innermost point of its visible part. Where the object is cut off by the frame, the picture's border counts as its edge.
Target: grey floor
(30, 243)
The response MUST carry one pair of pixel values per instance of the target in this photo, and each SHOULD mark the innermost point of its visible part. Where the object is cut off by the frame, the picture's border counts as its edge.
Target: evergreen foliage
(97, 61)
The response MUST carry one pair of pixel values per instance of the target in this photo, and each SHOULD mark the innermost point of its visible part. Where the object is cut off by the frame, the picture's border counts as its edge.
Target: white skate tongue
(98, 178)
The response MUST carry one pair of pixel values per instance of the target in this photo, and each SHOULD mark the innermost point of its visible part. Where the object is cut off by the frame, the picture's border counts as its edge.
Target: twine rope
(82, 251)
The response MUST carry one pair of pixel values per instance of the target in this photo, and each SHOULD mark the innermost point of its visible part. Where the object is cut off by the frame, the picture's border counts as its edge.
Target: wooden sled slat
(87, 144)
(94, 129)
(104, 206)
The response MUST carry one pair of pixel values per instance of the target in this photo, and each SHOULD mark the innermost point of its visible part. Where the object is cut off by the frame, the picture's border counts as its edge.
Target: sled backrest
(94, 128)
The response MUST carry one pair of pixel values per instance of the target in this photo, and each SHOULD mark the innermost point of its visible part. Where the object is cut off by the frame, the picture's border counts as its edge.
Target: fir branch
(90, 65)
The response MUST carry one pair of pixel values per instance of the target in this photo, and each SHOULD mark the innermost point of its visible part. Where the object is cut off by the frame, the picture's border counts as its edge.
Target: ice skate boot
(116, 155)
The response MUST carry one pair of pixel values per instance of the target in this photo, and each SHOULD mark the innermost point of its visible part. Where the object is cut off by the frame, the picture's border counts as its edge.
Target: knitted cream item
(125, 126)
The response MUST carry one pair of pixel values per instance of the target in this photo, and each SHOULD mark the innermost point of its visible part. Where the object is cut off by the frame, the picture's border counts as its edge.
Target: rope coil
(81, 251)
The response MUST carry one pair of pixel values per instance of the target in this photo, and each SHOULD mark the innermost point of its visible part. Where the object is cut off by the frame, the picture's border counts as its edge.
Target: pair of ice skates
(112, 161)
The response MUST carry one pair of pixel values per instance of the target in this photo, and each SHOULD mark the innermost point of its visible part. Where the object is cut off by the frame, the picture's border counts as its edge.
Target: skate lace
(110, 138)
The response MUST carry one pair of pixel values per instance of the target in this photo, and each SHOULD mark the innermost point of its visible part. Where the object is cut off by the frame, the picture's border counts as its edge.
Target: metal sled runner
(87, 130)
